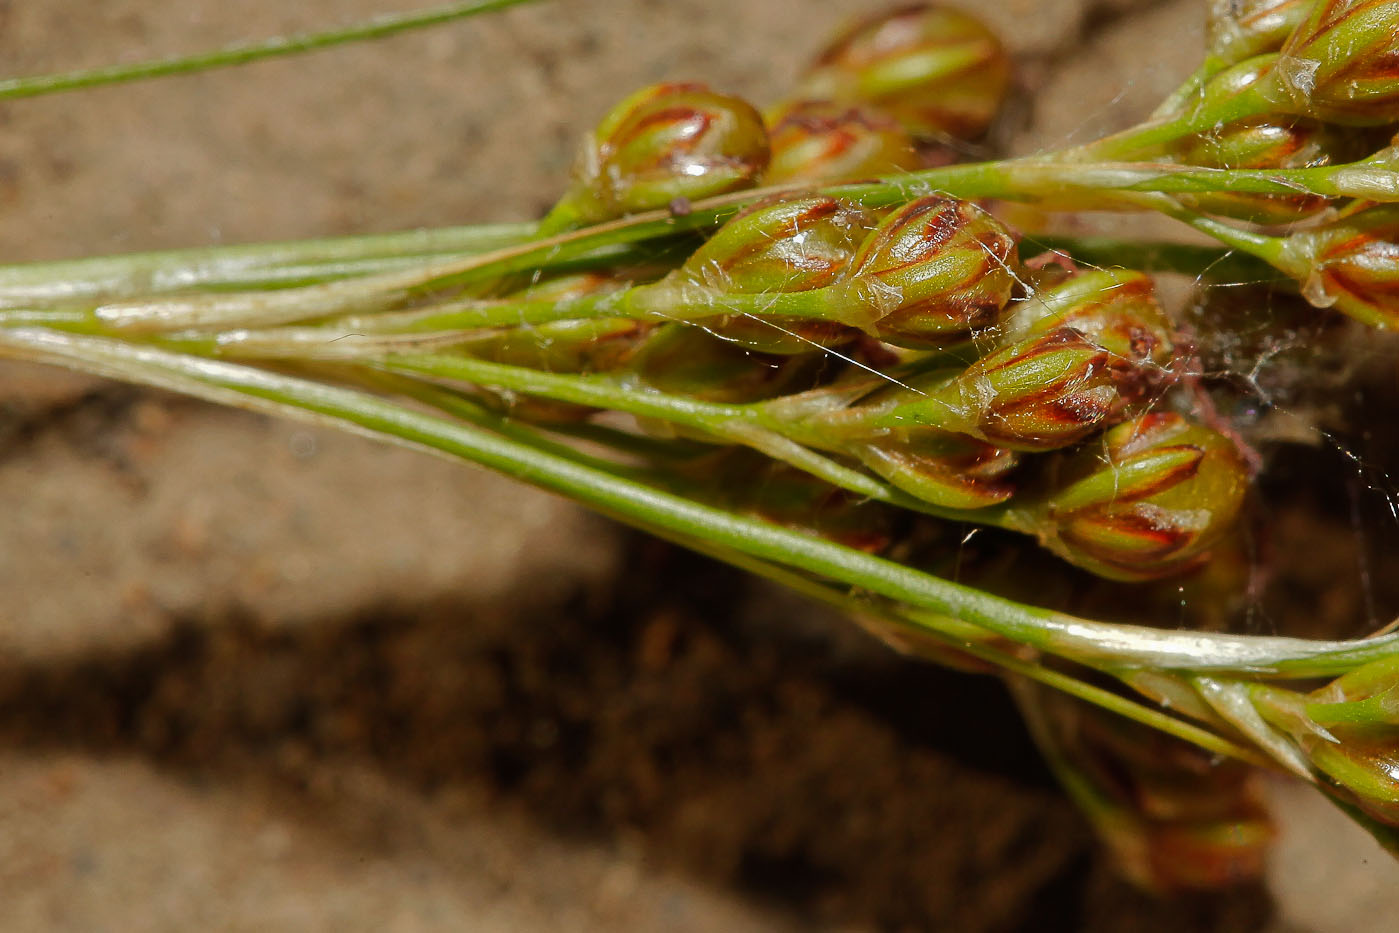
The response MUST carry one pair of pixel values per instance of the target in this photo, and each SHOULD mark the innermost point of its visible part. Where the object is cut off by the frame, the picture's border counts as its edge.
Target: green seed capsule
(1147, 502)
(663, 143)
(1351, 264)
(1041, 393)
(817, 141)
(932, 273)
(1115, 309)
(934, 69)
(1341, 64)
(777, 246)
(1240, 29)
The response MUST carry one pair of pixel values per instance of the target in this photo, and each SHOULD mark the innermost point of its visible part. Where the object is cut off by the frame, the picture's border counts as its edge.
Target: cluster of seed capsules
(912, 343)
(832, 350)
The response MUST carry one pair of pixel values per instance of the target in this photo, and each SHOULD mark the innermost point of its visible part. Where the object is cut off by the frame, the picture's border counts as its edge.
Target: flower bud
(933, 272)
(665, 142)
(779, 245)
(1351, 264)
(1081, 353)
(1149, 501)
(934, 69)
(816, 141)
(1341, 63)
(944, 470)
(1240, 29)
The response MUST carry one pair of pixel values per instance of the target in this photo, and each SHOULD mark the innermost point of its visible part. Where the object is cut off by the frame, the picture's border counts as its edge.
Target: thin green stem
(254, 265)
(983, 649)
(749, 425)
(380, 27)
(1203, 262)
(1037, 178)
(1096, 644)
(1153, 134)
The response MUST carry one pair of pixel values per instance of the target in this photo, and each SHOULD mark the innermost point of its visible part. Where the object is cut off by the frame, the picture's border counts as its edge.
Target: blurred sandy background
(256, 676)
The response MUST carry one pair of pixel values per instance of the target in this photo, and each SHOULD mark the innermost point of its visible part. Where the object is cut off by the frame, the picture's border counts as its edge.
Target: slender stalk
(254, 265)
(1105, 646)
(1201, 262)
(1123, 185)
(750, 425)
(380, 27)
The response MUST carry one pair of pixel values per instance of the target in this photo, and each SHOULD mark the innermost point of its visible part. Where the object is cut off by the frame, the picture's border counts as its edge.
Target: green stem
(978, 646)
(254, 265)
(1096, 644)
(378, 28)
(749, 425)
(1035, 178)
(1204, 262)
(1154, 134)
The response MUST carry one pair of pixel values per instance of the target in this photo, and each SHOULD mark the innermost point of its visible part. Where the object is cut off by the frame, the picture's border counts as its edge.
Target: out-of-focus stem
(379, 27)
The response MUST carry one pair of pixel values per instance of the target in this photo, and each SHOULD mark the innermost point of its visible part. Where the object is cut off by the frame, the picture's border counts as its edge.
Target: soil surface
(259, 676)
